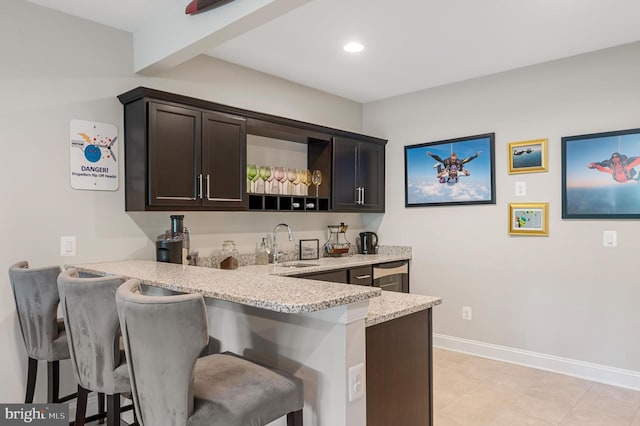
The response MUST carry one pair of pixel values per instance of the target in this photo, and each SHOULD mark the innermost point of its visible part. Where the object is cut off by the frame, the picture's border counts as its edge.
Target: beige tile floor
(470, 391)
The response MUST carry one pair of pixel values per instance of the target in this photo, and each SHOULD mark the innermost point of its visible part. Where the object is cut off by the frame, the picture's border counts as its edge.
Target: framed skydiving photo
(528, 156)
(450, 172)
(601, 175)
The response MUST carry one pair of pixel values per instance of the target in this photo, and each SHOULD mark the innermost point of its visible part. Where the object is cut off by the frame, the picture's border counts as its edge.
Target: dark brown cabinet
(358, 175)
(183, 153)
(362, 275)
(183, 158)
(196, 158)
(400, 371)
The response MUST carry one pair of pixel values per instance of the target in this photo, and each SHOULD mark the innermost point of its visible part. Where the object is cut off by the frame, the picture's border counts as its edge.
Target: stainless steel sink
(296, 265)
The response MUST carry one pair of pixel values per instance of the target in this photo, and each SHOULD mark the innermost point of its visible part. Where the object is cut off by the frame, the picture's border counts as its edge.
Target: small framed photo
(450, 172)
(309, 249)
(529, 219)
(528, 156)
(600, 175)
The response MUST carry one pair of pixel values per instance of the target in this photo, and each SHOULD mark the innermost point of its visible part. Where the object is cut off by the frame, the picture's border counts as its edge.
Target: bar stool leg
(32, 374)
(101, 407)
(113, 410)
(53, 381)
(81, 407)
(135, 418)
(294, 418)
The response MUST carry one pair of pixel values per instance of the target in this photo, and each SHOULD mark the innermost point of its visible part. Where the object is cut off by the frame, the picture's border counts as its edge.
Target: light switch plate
(356, 382)
(67, 246)
(610, 239)
(521, 189)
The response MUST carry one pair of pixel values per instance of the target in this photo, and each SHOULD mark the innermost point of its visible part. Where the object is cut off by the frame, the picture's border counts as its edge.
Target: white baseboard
(571, 367)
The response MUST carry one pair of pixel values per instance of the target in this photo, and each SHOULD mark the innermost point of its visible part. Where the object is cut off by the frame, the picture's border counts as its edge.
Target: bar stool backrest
(36, 295)
(163, 336)
(91, 321)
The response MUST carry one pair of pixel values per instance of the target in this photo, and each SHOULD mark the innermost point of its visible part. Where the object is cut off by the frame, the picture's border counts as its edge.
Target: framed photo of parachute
(601, 175)
(450, 172)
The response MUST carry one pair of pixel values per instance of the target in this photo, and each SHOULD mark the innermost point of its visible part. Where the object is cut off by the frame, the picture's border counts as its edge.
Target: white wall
(56, 68)
(563, 295)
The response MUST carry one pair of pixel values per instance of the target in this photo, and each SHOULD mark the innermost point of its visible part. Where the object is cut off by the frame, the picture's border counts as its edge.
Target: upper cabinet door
(174, 156)
(224, 147)
(371, 176)
(345, 175)
(358, 170)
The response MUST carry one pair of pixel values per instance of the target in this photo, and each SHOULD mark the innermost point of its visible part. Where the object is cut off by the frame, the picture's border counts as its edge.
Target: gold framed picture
(528, 156)
(529, 219)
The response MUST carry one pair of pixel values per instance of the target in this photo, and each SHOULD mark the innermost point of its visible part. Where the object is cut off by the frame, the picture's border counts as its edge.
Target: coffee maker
(173, 245)
(368, 243)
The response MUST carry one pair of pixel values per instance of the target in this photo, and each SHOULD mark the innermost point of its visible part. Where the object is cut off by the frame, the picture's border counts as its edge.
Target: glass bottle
(262, 253)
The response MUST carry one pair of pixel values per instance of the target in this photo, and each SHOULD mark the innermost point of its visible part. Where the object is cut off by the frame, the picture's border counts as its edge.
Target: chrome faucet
(275, 244)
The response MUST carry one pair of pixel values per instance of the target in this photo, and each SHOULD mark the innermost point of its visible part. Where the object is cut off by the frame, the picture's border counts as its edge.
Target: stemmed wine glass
(316, 179)
(265, 173)
(269, 184)
(307, 179)
(296, 183)
(252, 175)
(302, 175)
(283, 181)
(278, 174)
(291, 177)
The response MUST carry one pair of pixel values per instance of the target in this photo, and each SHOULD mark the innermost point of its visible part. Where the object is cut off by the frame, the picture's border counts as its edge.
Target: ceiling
(409, 44)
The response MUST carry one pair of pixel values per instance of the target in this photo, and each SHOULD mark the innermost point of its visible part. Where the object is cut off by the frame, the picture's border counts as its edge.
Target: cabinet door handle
(362, 277)
(208, 188)
(360, 200)
(200, 185)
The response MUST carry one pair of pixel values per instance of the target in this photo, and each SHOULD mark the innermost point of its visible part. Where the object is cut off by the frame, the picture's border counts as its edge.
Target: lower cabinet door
(399, 371)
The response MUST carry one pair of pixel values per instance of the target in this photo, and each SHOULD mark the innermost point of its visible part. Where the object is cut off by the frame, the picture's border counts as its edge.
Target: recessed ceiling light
(353, 47)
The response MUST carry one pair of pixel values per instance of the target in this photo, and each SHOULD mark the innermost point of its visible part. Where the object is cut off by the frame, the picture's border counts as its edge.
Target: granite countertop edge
(313, 295)
(390, 306)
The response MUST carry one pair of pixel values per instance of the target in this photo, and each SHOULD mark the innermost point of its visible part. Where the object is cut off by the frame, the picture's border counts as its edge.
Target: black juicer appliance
(173, 245)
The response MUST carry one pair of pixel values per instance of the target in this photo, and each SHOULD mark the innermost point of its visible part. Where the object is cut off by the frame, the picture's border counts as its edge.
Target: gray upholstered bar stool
(93, 330)
(171, 386)
(36, 295)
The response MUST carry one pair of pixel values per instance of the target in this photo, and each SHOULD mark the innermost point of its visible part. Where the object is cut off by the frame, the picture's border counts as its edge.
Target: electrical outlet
(466, 313)
(356, 382)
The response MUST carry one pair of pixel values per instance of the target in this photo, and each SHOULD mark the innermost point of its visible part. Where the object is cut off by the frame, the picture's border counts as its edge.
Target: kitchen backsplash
(245, 259)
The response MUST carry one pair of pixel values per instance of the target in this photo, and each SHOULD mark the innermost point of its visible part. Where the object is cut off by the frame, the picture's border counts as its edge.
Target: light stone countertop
(272, 288)
(391, 305)
(259, 289)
